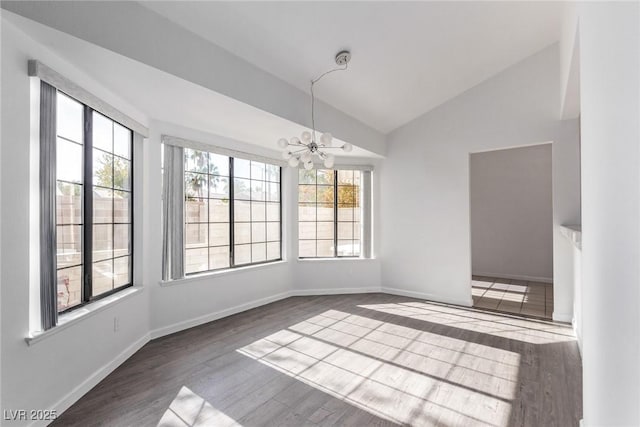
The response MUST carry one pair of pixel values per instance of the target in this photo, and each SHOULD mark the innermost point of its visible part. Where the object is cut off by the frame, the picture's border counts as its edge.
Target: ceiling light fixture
(301, 150)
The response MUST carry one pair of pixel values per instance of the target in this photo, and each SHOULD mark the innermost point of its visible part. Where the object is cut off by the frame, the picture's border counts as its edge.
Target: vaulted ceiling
(408, 57)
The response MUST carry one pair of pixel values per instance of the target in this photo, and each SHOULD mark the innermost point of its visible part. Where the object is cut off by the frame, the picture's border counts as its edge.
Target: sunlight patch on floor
(399, 373)
(529, 331)
(190, 410)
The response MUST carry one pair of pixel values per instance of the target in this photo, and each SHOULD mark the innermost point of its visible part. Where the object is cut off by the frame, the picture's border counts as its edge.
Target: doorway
(511, 211)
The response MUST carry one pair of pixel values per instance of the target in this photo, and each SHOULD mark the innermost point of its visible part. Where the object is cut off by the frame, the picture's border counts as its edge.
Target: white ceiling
(179, 102)
(408, 57)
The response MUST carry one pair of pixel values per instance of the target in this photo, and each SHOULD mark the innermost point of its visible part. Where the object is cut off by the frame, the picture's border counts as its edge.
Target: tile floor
(533, 299)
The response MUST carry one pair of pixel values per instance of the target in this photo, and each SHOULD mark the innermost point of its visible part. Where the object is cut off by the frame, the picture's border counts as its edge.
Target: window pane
(258, 171)
(345, 213)
(68, 203)
(324, 194)
(272, 173)
(273, 250)
(219, 234)
(68, 245)
(273, 212)
(356, 248)
(258, 252)
(196, 235)
(195, 160)
(69, 287)
(242, 233)
(102, 241)
(347, 195)
(121, 271)
(242, 211)
(102, 132)
(218, 210)
(121, 141)
(258, 190)
(325, 176)
(121, 173)
(325, 230)
(273, 192)
(218, 187)
(102, 205)
(69, 116)
(196, 184)
(195, 210)
(345, 247)
(102, 169)
(121, 206)
(218, 165)
(345, 177)
(258, 232)
(218, 257)
(345, 230)
(121, 240)
(306, 230)
(102, 277)
(325, 248)
(273, 231)
(258, 211)
(357, 230)
(69, 162)
(306, 212)
(242, 254)
(306, 248)
(325, 212)
(306, 176)
(241, 168)
(241, 188)
(306, 193)
(196, 260)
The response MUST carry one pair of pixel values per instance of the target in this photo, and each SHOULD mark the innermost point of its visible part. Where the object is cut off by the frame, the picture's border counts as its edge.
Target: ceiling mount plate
(343, 57)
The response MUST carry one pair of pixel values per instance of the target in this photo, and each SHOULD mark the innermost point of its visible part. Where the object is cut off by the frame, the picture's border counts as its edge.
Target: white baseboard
(562, 317)
(334, 291)
(516, 277)
(429, 297)
(84, 387)
(190, 323)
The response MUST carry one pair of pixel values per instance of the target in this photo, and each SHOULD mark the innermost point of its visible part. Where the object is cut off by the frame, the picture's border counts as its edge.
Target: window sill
(211, 274)
(336, 259)
(68, 319)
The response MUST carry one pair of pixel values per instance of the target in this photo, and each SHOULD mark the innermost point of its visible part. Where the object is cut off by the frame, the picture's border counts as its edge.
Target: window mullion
(87, 246)
(335, 213)
(231, 214)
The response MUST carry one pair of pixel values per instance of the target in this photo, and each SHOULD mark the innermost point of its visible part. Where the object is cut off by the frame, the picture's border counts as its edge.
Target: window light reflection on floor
(399, 373)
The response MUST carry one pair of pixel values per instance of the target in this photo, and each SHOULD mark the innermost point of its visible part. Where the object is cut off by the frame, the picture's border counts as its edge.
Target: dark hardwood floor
(359, 360)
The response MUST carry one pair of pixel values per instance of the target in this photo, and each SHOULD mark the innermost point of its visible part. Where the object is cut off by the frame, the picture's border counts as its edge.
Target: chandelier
(304, 149)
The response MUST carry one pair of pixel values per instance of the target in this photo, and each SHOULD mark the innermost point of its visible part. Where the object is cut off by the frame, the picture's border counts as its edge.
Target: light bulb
(295, 141)
(329, 160)
(326, 139)
(347, 147)
(282, 143)
(308, 166)
(306, 157)
(293, 162)
(286, 155)
(306, 136)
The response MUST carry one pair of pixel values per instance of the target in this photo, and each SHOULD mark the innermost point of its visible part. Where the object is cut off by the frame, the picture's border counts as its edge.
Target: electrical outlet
(116, 324)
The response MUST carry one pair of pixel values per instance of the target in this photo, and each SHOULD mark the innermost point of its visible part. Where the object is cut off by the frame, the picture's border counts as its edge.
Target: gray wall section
(512, 213)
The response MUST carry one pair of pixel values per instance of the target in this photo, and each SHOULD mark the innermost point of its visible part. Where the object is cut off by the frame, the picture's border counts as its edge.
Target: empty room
(312, 213)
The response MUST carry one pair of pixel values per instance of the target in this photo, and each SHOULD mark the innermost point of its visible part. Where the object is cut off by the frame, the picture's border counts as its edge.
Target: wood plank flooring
(526, 298)
(350, 360)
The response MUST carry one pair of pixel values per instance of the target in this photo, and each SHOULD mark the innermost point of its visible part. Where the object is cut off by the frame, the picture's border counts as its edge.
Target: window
(329, 213)
(232, 212)
(94, 218)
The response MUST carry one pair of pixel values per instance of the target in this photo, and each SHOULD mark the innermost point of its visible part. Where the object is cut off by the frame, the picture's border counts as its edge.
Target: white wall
(425, 186)
(42, 375)
(512, 213)
(610, 143)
